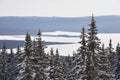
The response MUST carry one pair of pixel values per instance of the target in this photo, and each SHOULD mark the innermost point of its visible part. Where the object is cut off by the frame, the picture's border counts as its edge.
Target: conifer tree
(93, 45)
(26, 72)
(24, 66)
(18, 59)
(39, 58)
(67, 65)
(79, 70)
(97, 64)
(40, 46)
(104, 65)
(50, 69)
(111, 53)
(116, 68)
(11, 64)
(28, 45)
(34, 47)
(58, 68)
(55, 69)
(19, 56)
(4, 75)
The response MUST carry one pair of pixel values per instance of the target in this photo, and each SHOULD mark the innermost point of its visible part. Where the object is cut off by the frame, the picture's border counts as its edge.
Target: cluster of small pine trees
(91, 62)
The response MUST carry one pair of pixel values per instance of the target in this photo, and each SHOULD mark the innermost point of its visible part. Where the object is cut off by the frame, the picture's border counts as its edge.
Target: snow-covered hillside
(62, 36)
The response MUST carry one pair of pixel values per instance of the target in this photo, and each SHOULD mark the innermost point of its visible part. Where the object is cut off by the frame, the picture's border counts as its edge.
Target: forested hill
(21, 25)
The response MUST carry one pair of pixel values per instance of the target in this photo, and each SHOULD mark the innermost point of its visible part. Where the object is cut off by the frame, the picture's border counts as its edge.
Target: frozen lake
(66, 42)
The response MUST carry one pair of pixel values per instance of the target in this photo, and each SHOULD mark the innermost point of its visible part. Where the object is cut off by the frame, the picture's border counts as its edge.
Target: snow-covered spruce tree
(79, 69)
(4, 75)
(51, 69)
(39, 63)
(111, 54)
(26, 72)
(24, 66)
(34, 47)
(28, 46)
(65, 69)
(11, 64)
(59, 72)
(93, 45)
(104, 72)
(97, 65)
(67, 65)
(73, 63)
(116, 67)
(55, 70)
(18, 59)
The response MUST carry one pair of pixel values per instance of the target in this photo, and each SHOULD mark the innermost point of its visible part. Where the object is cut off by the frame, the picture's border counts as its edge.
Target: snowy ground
(60, 36)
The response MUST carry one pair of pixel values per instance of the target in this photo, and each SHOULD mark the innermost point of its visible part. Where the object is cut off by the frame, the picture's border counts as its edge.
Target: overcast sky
(59, 8)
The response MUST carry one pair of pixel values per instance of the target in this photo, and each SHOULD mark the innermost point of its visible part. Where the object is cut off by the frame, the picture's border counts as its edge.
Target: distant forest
(92, 61)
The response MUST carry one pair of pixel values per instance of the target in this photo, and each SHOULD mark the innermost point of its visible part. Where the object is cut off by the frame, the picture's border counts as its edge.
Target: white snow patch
(61, 33)
(64, 49)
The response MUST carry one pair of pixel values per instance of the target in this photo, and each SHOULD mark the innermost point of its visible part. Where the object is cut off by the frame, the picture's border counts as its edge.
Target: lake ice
(66, 37)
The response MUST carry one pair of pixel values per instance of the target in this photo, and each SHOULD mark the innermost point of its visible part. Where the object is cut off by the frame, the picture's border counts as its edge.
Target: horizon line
(61, 16)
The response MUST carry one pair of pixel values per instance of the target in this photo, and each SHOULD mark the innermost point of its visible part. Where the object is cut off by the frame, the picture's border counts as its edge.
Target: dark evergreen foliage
(116, 67)
(4, 75)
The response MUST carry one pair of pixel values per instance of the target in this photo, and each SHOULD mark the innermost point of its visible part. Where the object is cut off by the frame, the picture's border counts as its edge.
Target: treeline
(91, 62)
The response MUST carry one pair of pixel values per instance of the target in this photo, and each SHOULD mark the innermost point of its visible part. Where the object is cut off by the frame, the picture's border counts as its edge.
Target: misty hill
(21, 25)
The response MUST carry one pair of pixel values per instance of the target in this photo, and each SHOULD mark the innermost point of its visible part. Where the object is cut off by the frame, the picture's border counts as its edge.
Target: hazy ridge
(21, 25)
